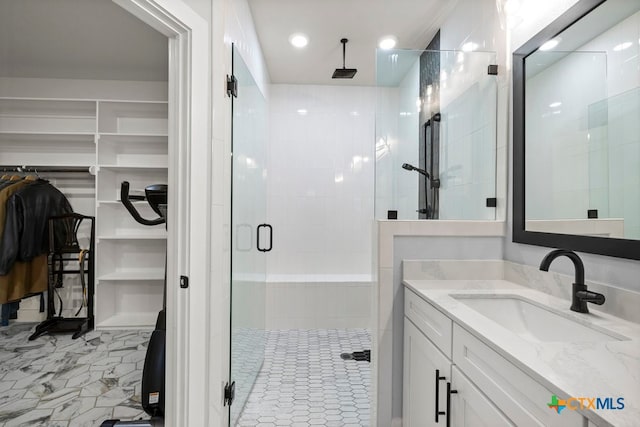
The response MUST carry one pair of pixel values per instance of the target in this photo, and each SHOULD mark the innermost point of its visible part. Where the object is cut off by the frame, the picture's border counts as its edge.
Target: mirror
(577, 131)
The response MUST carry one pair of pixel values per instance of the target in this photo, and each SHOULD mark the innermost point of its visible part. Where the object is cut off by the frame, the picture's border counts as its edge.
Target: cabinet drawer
(516, 394)
(435, 325)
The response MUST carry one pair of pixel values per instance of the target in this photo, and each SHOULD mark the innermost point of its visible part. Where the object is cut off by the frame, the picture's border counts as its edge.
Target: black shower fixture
(409, 167)
(344, 73)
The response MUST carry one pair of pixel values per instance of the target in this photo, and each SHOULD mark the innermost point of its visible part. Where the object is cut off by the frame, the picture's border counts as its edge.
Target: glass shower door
(249, 236)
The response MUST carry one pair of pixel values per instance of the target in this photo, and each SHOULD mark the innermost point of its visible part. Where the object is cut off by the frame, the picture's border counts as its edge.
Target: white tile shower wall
(320, 186)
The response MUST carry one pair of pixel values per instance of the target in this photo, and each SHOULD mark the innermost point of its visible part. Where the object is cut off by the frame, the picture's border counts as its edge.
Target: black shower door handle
(261, 226)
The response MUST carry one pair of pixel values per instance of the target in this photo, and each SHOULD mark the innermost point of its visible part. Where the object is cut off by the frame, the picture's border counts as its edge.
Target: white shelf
(44, 136)
(133, 236)
(118, 140)
(132, 118)
(126, 168)
(134, 275)
(140, 135)
(129, 320)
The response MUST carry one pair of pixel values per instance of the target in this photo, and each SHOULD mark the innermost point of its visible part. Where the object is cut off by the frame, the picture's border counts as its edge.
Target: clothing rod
(46, 169)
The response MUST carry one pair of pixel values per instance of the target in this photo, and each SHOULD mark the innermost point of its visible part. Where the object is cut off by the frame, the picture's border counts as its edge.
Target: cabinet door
(423, 363)
(469, 407)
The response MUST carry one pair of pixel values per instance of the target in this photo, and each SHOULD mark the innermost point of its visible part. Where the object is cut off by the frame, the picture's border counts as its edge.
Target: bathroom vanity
(492, 352)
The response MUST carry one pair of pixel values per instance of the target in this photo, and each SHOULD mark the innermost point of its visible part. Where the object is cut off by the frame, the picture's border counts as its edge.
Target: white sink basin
(533, 321)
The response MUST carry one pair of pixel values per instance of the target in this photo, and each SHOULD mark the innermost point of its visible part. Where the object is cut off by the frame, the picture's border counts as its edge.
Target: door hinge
(184, 282)
(492, 70)
(232, 86)
(229, 393)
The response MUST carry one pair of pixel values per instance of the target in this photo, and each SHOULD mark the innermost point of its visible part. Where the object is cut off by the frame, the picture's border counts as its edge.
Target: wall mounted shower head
(409, 167)
(344, 73)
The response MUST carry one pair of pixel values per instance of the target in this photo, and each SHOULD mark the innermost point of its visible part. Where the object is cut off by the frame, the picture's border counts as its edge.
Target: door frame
(188, 217)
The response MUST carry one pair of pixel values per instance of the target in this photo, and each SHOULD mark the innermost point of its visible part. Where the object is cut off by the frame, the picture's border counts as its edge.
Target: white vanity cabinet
(485, 388)
(434, 391)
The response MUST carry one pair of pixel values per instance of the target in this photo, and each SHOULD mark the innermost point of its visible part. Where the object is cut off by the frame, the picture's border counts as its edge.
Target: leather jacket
(26, 228)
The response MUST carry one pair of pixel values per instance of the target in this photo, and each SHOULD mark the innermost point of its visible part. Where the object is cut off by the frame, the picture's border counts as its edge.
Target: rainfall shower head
(409, 167)
(344, 73)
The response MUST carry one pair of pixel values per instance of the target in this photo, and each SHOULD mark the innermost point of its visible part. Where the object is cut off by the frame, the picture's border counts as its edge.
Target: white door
(426, 372)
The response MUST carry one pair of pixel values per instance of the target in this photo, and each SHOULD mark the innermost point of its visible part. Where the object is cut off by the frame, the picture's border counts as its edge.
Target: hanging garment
(24, 279)
(26, 226)
(11, 187)
(25, 207)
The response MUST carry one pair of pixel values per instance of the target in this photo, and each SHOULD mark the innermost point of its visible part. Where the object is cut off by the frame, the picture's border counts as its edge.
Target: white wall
(320, 186)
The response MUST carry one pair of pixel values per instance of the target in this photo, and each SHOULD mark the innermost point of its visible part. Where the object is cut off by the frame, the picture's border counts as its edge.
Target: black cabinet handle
(449, 393)
(270, 237)
(438, 378)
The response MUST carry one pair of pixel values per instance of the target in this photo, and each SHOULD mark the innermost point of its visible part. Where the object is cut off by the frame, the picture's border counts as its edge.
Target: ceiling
(96, 39)
(78, 39)
(325, 22)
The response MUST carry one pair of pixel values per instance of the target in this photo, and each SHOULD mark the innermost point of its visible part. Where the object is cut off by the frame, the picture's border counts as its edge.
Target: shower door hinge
(229, 393)
(232, 86)
(492, 70)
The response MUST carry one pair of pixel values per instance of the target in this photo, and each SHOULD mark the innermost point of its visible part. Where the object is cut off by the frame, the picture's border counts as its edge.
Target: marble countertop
(585, 369)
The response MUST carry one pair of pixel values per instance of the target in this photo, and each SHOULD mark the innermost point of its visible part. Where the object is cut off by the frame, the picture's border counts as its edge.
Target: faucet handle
(592, 297)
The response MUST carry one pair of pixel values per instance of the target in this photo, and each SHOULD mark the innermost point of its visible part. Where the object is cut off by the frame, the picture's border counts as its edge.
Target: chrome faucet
(580, 296)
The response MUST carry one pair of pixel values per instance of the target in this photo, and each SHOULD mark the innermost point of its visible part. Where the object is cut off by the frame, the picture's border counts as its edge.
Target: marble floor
(55, 381)
(304, 382)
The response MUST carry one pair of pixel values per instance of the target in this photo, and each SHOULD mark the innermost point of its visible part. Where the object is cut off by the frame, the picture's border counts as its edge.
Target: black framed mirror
(576, 131)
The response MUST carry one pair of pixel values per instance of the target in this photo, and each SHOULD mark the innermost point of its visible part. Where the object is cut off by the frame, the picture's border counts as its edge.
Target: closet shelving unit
(117, 140)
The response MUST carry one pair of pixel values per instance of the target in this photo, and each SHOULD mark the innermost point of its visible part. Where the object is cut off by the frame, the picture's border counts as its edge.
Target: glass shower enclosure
(435, 135)
(249, 234)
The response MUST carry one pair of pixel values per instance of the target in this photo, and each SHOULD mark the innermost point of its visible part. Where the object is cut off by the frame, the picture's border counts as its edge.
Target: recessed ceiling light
(550, 44)
(555, 104)
(298, 40)
(387, 42)
(622, 46)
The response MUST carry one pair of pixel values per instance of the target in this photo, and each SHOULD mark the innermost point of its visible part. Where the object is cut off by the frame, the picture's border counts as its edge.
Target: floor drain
(358, 356)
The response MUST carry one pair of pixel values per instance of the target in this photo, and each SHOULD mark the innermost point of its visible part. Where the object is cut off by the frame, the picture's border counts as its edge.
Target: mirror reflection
(582, 127)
